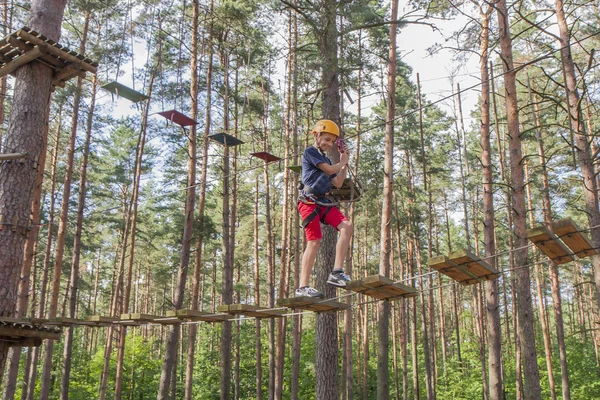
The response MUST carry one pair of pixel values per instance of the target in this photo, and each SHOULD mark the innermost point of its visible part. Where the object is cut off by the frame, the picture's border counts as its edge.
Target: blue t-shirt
(312, 175)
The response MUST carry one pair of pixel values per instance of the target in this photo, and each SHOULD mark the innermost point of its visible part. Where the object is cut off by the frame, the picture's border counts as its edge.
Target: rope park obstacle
(561, 244)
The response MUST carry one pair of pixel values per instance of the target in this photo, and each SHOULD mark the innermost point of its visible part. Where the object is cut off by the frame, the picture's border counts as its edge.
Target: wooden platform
(178, 118)
(464, 267)
(125, 92)
(573, 237)
(195, 315)
(65, 321)
(26, 334)
(549, 244)
(268, 157)
(100, 320)
(226, 139)
(295, 168)
(26, 45)
(312, 304)
(381, 288)
(248, 310)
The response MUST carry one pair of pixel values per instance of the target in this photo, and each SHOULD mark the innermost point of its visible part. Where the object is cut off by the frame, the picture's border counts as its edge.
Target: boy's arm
(338, 181)
(335, 168)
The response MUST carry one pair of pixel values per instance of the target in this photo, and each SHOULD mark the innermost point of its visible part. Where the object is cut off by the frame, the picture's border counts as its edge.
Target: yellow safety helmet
(327, 126)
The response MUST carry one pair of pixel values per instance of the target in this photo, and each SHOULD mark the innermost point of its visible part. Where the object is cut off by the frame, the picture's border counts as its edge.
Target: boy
(317, 176)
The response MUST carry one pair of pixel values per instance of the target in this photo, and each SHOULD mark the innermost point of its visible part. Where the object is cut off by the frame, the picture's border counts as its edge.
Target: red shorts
(313, 230)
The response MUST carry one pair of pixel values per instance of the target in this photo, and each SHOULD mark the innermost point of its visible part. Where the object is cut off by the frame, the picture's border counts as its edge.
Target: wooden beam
(23, 342)
(312, 304)
(19, 332)
(20, 61)
(12, 156)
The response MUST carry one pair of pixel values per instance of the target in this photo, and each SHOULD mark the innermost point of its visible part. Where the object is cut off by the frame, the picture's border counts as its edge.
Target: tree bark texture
(532, 389)
(26, 130)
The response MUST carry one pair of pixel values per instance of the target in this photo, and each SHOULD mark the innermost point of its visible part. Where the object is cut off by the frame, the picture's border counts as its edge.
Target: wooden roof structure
(26, 45)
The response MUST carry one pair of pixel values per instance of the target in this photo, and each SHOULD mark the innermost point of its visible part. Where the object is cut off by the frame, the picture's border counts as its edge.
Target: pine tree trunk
(60, 241)
(532, 388)
(26, 128)
(494, 332)
(68, 346)
(227, 273)
(14, 356)
(582, 146)
(383, 390)
(326, 326)
(198, 261)
(168, 368)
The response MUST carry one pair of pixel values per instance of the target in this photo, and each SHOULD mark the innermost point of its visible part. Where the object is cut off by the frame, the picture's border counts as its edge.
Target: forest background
(120, 233)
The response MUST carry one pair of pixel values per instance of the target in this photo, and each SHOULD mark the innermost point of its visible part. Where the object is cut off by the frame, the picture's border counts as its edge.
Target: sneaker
(338, 278)
(307, 291)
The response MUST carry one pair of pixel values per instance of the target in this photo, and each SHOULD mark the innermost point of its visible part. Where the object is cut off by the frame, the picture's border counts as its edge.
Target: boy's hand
(344, 156)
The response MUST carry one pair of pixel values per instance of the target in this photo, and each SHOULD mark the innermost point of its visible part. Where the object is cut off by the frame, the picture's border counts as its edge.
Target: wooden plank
(445, 266)
(381, 288)
(22, 332)
(550, 245)
(140, 317)
(167, 320)
(101, 319)
(20, 61)
(68, 72)
(312, 304)
(48, 59)
(196, 315)
(572, 236)
(55, 51)
(469, 263)
(23, 342)
(65, 321)
(249, 310)
(12, 156)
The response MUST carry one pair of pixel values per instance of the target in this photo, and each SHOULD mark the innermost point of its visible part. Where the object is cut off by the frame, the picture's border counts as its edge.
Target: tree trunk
(168, 368)
(494, 332)
(26, 130)
(532, 388)
(198, 262)
(10, 381)
(227, 273)
(68, 346)
(590, 183)
(383, 390)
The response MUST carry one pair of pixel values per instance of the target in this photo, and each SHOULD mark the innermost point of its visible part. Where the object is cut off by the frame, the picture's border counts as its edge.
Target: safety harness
(308, 195)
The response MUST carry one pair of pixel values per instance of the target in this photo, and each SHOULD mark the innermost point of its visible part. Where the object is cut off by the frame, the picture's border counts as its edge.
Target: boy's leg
(341, 248)
(308, 261)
